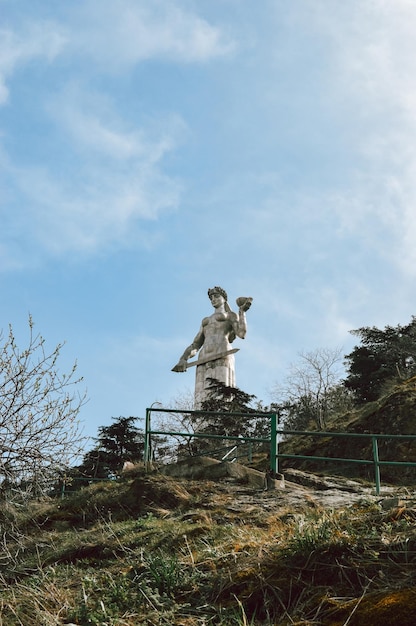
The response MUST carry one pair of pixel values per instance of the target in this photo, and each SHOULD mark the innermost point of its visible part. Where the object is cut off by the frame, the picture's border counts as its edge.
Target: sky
(152, 149)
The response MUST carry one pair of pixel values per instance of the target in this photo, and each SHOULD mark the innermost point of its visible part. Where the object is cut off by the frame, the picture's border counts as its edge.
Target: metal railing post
(273, 445)
(147, 442)
(376, 464)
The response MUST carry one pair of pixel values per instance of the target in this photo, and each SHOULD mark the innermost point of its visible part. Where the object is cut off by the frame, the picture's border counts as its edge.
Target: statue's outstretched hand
(180, 366)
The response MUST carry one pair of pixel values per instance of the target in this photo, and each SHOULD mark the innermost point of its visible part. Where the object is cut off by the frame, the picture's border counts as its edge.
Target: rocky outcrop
(205, 468)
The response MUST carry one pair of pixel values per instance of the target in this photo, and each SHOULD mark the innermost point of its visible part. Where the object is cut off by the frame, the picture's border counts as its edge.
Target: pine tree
(120, 442)
(383, 356)
(233, 413)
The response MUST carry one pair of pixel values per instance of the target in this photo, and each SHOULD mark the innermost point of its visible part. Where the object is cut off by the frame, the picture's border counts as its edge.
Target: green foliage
(227, 399)
(105, 597)
(165, 571)
(220, 419)
(313, 533)
(382, 355)
(121, 441)
(215, 417)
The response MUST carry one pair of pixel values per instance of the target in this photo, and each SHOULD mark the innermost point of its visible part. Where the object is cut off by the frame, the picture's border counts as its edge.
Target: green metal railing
(373, 437)
(237, 439)
(273, 441)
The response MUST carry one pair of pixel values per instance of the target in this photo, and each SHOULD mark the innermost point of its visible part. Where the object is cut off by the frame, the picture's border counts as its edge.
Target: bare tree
(39, 407)
(313, 385)
(181, 420)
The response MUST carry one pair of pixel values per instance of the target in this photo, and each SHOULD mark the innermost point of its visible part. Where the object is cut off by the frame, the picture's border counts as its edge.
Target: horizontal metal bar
(318, 433)
(155, 410)
(401, 463)
(207, 436)
(324, 458)
(342, 460)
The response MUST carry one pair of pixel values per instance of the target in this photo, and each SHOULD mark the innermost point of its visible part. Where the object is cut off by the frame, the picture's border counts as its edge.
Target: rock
(391, 503)
(205, 468)
(319, 483)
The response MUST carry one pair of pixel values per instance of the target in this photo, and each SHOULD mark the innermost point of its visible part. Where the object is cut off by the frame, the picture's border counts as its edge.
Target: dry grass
(150, 550)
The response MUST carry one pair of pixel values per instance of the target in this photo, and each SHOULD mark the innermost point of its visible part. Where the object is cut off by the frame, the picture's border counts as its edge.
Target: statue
(213, 341)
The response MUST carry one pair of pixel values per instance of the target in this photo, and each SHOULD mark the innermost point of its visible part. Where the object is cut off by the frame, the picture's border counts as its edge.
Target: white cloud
(372, 92)
(113, 181)
(113, 34)
(89, 122)
(126, 32)
(108, 177)
(107, 208)
(31, 40)
(375, 47)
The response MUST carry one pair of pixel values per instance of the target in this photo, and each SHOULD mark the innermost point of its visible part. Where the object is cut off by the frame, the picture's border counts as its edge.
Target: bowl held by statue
(244, 303)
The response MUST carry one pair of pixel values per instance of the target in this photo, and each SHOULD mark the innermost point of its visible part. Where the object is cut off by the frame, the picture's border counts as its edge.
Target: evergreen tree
(121, 441)
(223, 403)
(383, 356)
(226, 400)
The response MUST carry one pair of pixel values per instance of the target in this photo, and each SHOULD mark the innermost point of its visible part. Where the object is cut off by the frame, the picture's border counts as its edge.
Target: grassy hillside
(149, 549)
(156, 550)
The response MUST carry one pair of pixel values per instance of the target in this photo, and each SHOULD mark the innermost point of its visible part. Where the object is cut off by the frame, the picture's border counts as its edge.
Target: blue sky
(152, 149)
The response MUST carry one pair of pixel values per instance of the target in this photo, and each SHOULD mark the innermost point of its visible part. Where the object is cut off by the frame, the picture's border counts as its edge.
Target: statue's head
(219, 291)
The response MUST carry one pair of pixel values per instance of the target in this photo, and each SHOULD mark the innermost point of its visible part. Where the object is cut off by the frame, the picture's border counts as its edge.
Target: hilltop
(204, 542)
(152, 549)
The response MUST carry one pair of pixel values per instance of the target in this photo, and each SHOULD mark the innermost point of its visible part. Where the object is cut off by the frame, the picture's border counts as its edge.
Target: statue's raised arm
(213, 343)
(241, 325)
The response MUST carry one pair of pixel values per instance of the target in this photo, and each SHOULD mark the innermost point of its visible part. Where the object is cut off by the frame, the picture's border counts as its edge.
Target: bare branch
(39, 407)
